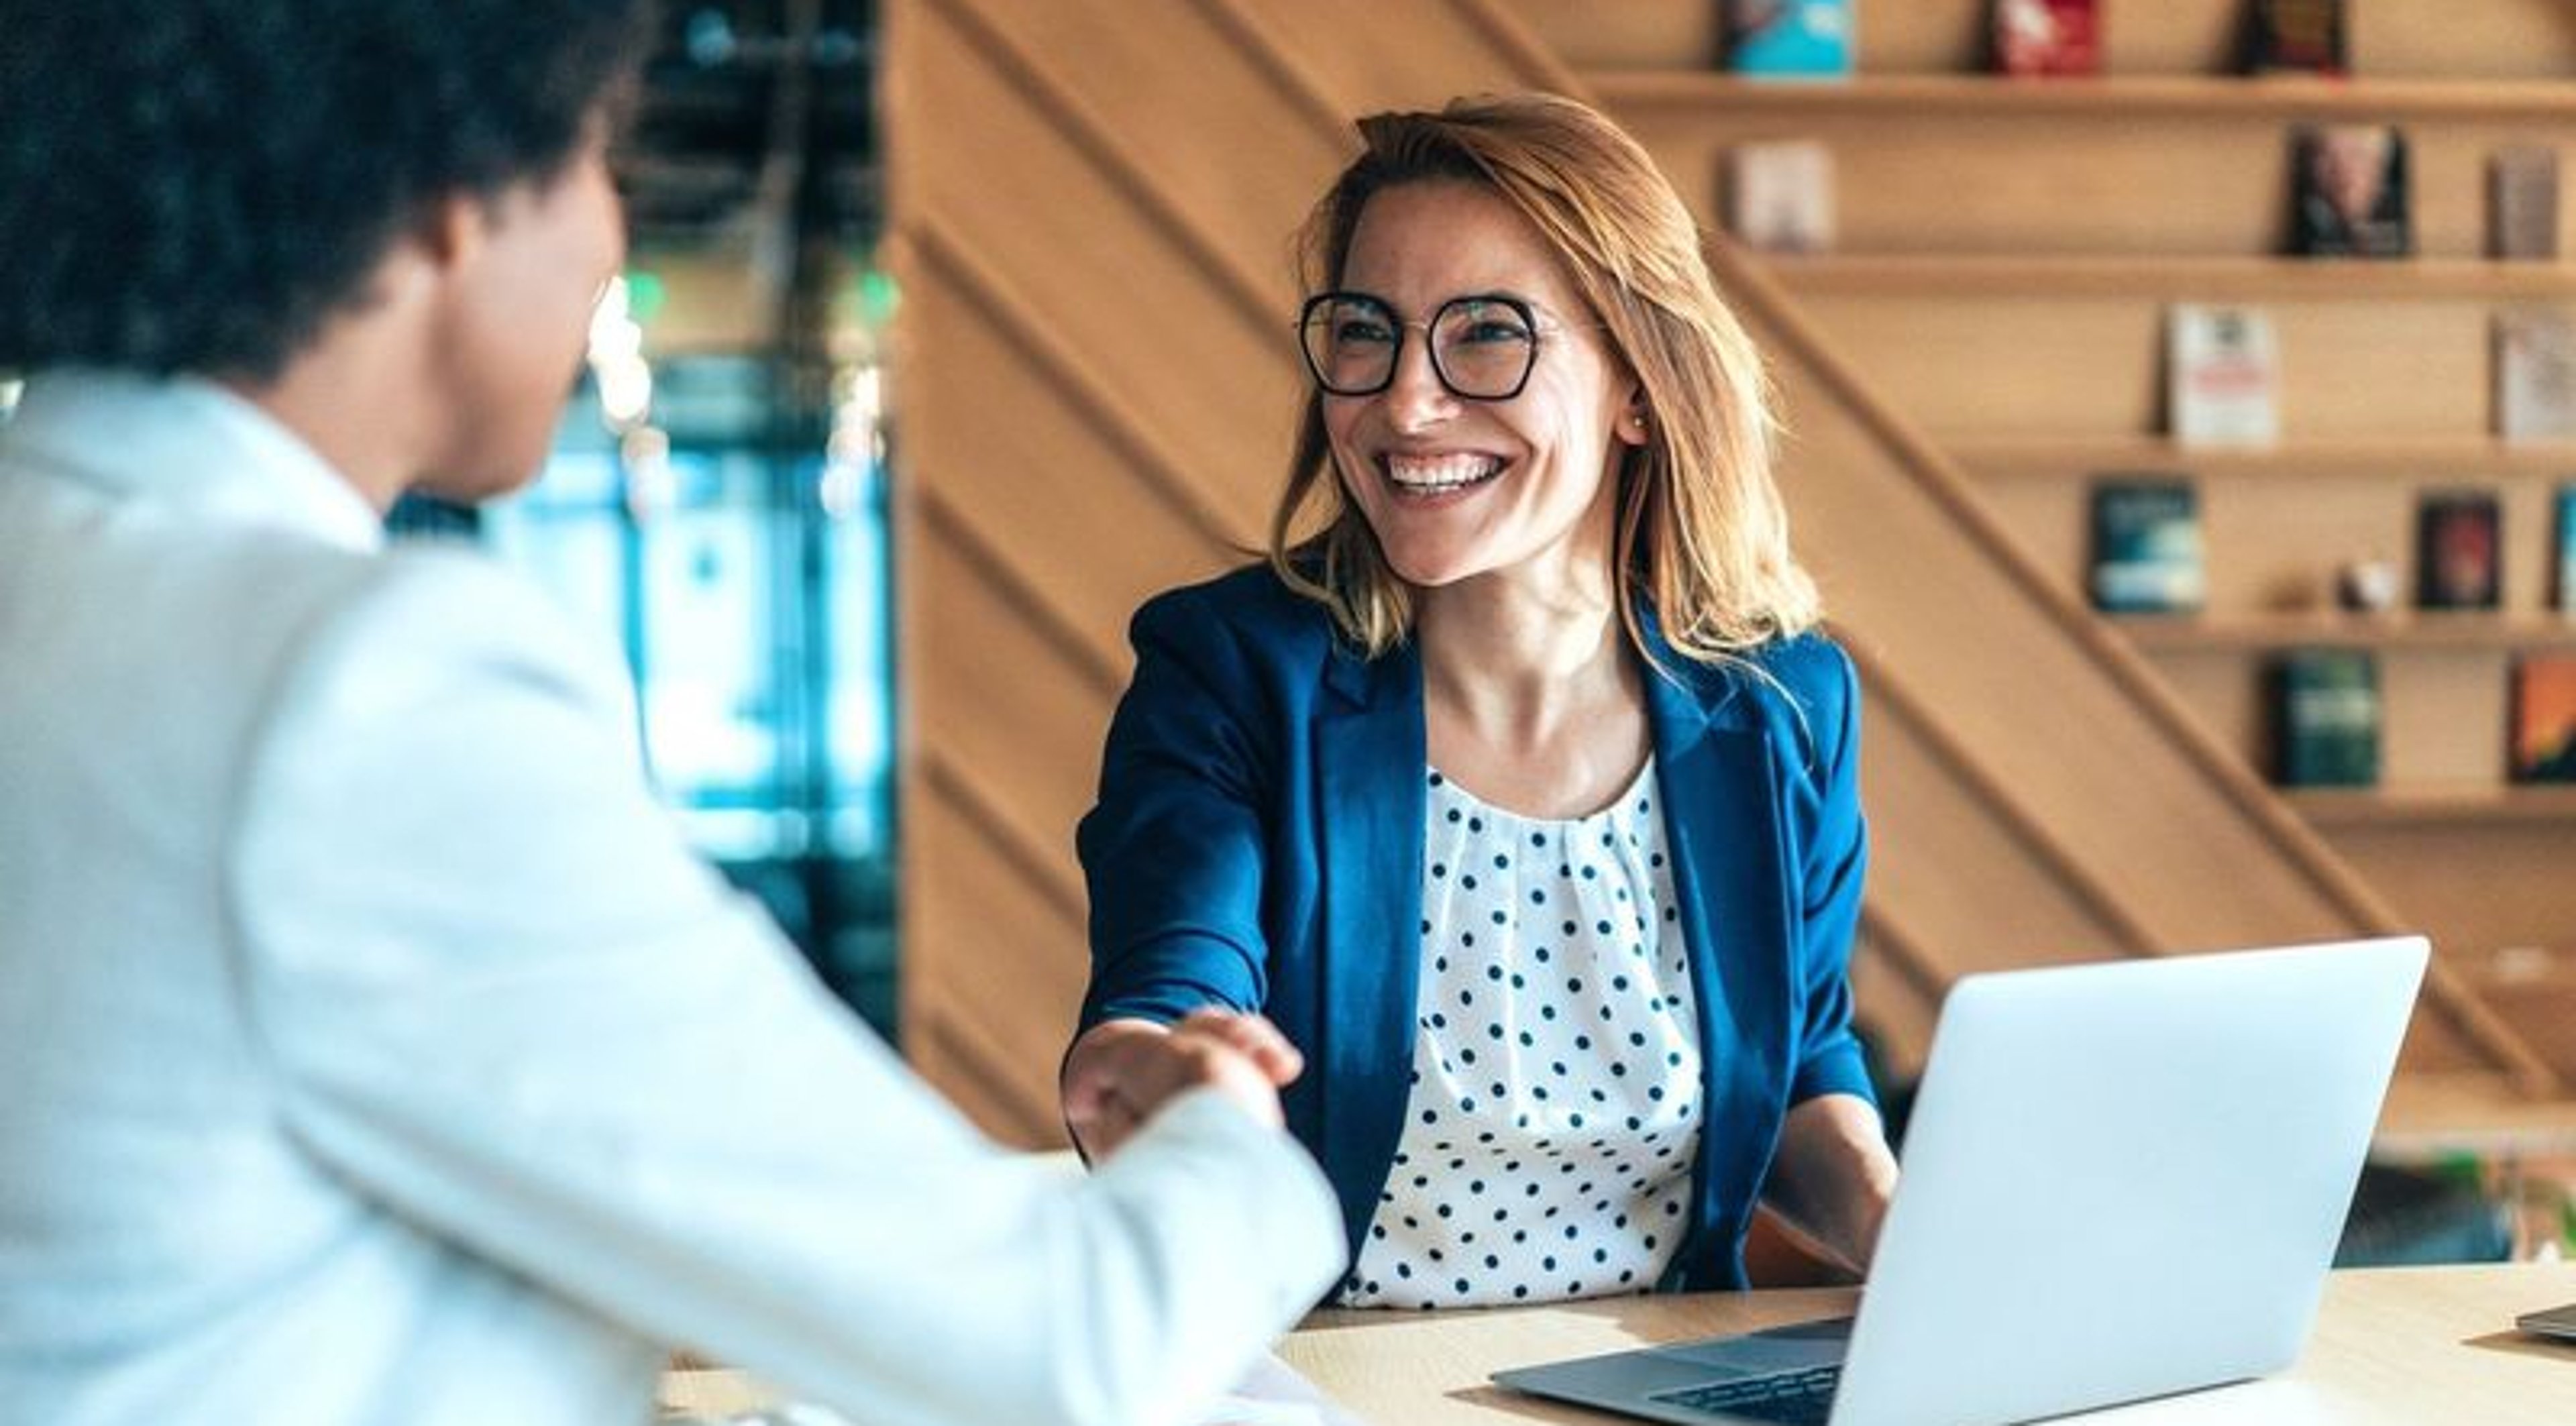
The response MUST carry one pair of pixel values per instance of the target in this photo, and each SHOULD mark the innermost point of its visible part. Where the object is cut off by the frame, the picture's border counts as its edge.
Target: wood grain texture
(1096, 387)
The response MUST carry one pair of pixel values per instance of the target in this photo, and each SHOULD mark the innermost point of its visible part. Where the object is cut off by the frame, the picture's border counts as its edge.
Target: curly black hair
(197, 185)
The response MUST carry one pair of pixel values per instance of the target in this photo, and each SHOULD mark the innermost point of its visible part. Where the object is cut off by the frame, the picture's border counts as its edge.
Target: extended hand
(1122, 1071)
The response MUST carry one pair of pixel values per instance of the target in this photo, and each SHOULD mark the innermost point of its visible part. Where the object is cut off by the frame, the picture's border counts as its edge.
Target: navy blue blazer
(1258, 845)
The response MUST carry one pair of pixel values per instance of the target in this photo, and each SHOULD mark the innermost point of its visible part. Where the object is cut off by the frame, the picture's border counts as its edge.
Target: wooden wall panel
(1028, 936)
(1007, 694)
(1003, 181)
(1189, 124)
(1961, 878)
(1055, 487)
(1095, 390)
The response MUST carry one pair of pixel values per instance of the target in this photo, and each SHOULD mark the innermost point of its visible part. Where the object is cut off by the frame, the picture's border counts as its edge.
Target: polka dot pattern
(1555, 1096)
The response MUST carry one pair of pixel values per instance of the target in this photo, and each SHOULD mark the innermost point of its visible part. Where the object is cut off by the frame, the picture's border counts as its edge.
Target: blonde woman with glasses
(1516, 794)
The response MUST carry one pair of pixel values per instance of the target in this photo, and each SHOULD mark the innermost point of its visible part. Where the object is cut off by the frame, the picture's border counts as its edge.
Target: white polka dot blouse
(1555, 1100)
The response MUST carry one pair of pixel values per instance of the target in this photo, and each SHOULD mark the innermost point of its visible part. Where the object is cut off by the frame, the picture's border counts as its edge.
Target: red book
(2048, 37)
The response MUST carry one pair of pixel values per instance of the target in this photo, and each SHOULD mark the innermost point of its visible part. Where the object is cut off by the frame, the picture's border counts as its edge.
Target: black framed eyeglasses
(1483, 345)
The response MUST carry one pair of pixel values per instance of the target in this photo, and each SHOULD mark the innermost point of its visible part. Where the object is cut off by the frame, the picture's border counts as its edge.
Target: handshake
(1121, 1072)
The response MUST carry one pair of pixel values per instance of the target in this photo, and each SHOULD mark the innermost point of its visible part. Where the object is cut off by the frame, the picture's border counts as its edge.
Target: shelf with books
(2470, 803)
(2398, 629)
(2405, 458)
(2109, 98)
(2172, 278)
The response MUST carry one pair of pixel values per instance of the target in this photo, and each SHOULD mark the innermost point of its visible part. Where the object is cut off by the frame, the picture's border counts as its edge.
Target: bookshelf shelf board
(2417, 806)
(2402, 629)
(2177, 279)
(2417, 458)
(2115, 99)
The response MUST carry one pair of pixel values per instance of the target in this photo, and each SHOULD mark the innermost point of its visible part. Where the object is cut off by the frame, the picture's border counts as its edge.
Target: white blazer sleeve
(501, 996)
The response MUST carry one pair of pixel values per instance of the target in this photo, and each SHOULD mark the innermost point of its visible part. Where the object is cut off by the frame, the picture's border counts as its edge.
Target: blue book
(2563, 586)
(2325, 718)
(2146, 546)
(1790, 38)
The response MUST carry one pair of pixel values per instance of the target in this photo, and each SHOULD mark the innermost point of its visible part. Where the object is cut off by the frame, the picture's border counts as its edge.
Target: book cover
(2147, 545)
(2562, 582)
(2522, 203)
(2459, 550)
(2535, 375)
(2349, 192)
(2222, 376)
(2544, 718)
(1790, 39)
(2042, 37)
(2326, 718)
(2295, 37)
(1780, 195)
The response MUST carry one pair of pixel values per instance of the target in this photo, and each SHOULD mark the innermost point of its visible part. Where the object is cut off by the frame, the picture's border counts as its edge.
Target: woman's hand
(1122, 1071)
(1834, 1177)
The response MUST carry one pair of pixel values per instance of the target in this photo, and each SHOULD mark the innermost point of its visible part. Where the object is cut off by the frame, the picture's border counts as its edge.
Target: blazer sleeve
(1174, 851)
(501, 998)
(1832, 864)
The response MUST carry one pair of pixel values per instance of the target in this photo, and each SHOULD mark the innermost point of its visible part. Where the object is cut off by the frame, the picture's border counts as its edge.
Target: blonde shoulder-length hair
(1702, 537)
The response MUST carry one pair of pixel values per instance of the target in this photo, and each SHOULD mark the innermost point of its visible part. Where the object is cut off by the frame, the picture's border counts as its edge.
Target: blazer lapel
(1722, 821)
(1369, 758)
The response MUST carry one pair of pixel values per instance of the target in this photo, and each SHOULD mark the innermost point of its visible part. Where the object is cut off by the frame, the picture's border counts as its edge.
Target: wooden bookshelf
(2175, 278)
(2435, 806)
(2107, 99)
(2402, 457)
(2397, 629)
(2006, 251)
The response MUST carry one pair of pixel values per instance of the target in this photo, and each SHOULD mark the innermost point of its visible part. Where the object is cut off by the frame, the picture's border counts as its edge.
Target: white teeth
(1435, 473)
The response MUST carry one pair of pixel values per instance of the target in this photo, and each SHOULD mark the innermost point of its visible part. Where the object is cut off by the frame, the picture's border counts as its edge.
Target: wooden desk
(2393, 1347)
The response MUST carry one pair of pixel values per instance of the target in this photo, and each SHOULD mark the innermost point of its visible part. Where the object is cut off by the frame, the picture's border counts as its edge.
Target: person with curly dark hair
(375, 1049)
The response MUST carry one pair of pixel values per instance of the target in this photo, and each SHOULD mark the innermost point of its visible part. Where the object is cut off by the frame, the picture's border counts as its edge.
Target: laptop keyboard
(1791, 1398)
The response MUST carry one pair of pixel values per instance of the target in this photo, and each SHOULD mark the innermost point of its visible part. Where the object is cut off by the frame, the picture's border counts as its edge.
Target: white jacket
(373, 1050)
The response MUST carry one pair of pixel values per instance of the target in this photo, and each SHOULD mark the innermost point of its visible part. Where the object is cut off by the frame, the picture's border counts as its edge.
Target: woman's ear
(1636, 419)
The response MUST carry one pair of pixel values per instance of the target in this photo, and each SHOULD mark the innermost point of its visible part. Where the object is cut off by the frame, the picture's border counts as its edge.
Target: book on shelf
(2459, 550)
(2349, 192)
(2535, 375)
(2042, 37)
(2543, 745)
(2147, 546)
(2562, 564)
(1780, 195)
(2295, 37)
(2222, 375)
(2325, 718)
(1790, 39)
(2522, 203)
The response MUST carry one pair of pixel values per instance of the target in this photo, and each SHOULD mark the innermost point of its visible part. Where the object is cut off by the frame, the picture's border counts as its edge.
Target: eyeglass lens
(1482, 348)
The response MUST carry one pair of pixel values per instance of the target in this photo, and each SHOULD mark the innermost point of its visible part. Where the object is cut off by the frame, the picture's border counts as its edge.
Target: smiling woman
(1515, 790)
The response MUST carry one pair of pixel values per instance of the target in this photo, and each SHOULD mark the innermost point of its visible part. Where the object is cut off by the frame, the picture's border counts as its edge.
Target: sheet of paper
(1273, 1394)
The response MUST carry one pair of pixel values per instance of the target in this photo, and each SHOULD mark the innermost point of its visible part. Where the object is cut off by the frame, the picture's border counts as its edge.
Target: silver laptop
(2120, 1181)
(2550, 1322)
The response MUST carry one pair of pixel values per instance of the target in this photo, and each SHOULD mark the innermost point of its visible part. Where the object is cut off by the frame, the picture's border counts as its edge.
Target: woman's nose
(1415, 396)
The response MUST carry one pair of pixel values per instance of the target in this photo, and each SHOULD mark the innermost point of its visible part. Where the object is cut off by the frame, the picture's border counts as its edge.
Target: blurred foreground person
(375, 1049)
